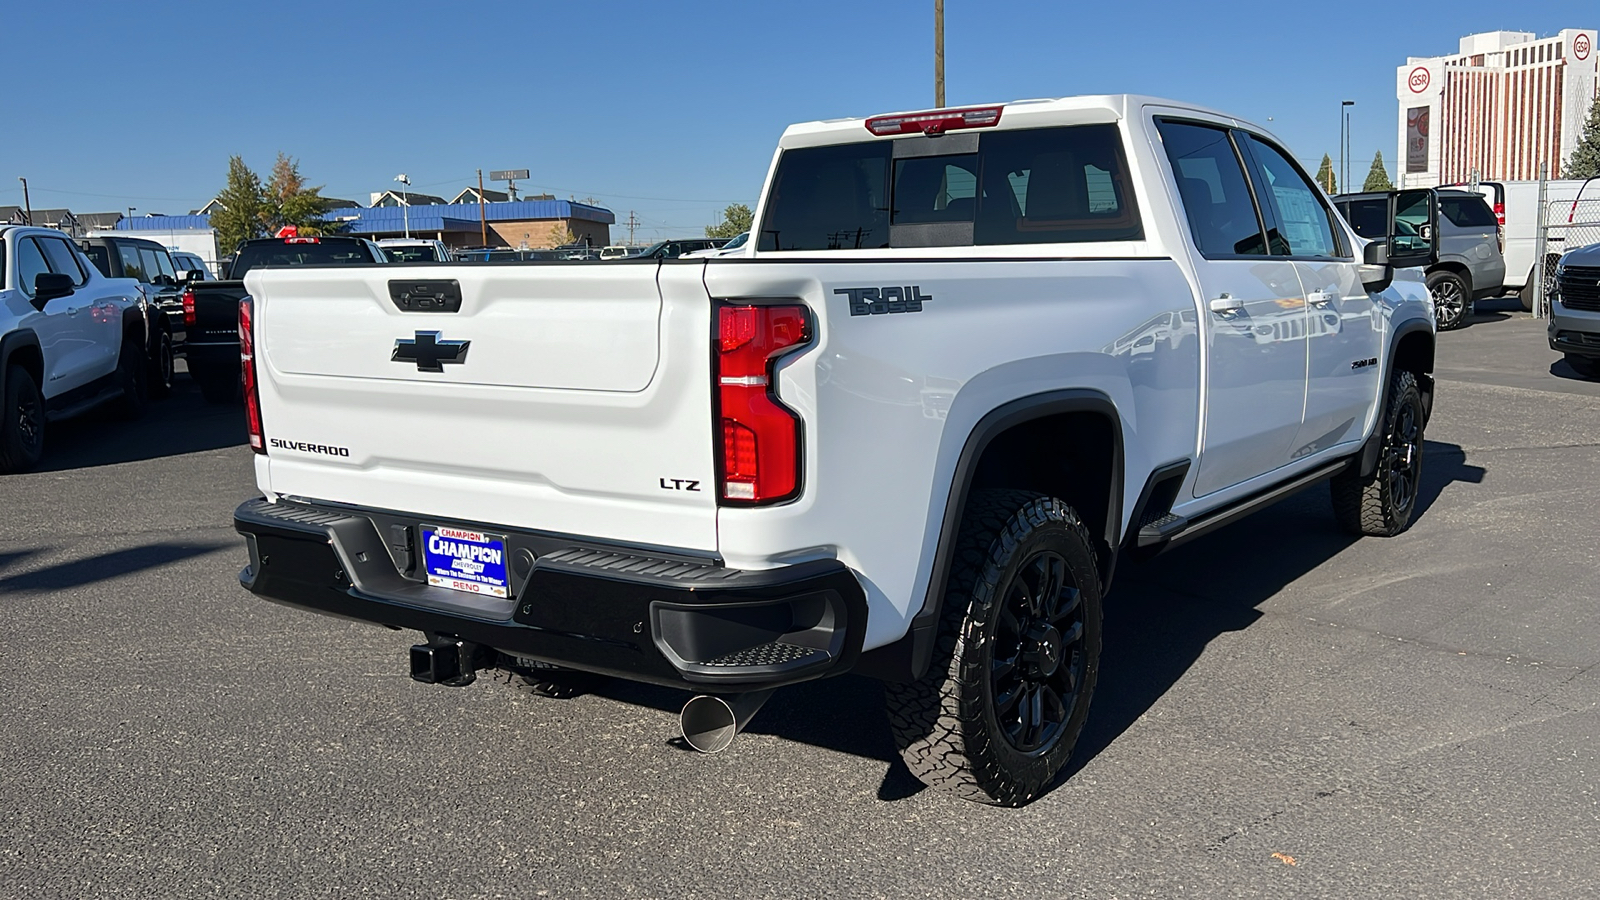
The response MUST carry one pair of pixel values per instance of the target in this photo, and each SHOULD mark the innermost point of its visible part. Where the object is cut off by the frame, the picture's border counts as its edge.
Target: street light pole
(405, 202)
(1344, 142)
(938, 53)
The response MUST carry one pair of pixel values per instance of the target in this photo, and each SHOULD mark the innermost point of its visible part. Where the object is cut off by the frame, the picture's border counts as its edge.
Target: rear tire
(162, 370)
(218, 386)
(21, 422)
(1526, 296)
(133, 376)
(1451, 302)
(1383, 503)
(1005, 697)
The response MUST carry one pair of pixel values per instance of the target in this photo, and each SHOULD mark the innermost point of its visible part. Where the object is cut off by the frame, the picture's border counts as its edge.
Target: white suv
(70, 339)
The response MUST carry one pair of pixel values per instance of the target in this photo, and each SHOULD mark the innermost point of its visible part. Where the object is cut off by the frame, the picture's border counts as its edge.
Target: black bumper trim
(659, 620)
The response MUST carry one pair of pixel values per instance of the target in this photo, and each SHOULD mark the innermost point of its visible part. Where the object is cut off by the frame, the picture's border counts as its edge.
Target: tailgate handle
(426, 295)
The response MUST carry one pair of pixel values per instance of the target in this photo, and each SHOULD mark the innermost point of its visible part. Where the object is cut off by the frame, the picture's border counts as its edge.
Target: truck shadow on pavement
(74, 573)
(1159, 618)
(181, 423)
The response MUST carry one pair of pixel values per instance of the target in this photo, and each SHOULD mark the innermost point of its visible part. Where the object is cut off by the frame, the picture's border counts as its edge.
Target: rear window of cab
(1034, 186)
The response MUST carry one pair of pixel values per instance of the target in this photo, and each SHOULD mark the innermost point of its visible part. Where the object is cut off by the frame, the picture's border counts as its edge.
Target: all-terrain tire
(1005, 697)
(133, 377)
(1451, 302)
(162, 372)
(1383, 503)
(21, 422)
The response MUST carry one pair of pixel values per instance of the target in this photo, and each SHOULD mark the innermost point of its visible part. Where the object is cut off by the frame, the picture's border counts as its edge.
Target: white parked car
(734, 247)
(971, 358)
(70, 340)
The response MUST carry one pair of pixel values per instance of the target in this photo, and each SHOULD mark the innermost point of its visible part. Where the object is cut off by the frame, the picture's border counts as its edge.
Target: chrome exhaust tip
(710, 722)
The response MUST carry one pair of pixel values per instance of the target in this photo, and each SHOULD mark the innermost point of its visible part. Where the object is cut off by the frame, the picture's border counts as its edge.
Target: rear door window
(152, 263)
(1467, 212)
(132, 267)
(1216, 198)
(99, 256)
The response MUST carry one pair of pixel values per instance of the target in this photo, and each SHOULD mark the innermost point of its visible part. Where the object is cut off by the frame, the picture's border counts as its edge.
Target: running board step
(1163, 534)
(1162, 530)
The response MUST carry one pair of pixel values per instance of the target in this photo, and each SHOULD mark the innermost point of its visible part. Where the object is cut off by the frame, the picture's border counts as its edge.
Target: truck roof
(1033, 113)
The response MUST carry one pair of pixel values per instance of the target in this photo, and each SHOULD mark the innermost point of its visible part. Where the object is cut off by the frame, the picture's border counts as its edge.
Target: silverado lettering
(303, 447)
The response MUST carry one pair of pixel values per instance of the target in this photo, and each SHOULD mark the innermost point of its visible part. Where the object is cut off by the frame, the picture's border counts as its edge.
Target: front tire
(1382, 504)
(132, 375)
(1587, 366)
(1451, 302)
(162, 371)
(21, 422)
(1005, 697)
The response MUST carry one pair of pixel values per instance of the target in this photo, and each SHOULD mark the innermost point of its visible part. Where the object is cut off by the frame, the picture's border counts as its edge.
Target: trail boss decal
(878, 301)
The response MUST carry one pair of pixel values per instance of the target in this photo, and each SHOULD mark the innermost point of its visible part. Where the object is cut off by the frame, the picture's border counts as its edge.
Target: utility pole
(1344, 141)
(938, 53)
(483, 217)
(26, 203)
(633, 223)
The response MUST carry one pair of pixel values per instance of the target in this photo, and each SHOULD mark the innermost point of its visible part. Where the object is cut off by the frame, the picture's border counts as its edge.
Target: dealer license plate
(467, 561)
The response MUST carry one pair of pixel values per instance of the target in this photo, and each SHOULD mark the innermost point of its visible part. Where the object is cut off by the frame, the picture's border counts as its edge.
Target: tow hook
(445, 660)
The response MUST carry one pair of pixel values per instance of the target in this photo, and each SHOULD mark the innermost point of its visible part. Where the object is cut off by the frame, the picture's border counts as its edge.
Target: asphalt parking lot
(1284, 711)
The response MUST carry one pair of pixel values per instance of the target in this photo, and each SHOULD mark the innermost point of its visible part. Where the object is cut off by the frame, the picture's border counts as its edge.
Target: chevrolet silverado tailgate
(568, 398)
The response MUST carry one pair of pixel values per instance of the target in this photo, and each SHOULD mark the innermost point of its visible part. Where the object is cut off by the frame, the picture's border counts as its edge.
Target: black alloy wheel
(162, 368)
(22, 422)
(996, 715)
(1038, 653)
(1383, 502)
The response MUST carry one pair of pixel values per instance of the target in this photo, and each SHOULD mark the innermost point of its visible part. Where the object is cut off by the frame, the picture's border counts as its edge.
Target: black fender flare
(10, 344)
(908, 657)
(1368, 459)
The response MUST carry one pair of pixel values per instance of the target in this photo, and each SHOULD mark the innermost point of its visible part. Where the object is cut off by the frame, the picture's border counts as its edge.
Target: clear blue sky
(668, 109)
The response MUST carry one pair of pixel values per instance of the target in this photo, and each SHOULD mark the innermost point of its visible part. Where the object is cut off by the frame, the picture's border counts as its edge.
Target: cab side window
(131, 266)
(63, 261)
(1216, 197)
(30, 264)
(1303, 222)
(152, 264)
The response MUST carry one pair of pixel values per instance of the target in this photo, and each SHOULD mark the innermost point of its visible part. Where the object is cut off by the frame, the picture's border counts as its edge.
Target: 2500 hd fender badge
(303, 447)
(878, 301)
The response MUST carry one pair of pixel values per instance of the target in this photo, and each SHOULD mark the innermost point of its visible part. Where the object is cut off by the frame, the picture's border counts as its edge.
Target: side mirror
(1376, 273)
(194, 275)
(48, 286)
(1413, 229)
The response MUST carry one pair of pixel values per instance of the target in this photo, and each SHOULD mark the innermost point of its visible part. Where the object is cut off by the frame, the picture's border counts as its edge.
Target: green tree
(1585, 159)
(1325, 176)
(736, 220)
(1377, 176)
(244, 207)
(290, 202)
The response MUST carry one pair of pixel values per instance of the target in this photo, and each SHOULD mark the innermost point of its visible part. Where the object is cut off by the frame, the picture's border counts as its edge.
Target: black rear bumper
(676, 621)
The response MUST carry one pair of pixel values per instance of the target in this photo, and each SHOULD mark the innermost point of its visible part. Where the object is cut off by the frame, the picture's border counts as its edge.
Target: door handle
(1227, 304)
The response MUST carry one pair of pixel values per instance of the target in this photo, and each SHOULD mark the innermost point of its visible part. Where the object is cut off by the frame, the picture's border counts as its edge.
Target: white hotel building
(1504, 105)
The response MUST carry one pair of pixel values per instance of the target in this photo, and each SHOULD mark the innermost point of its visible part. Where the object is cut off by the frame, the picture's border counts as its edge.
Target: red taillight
(760, 436)
(1500, 214)
(247, 363)
(935, 121)
(188, 306)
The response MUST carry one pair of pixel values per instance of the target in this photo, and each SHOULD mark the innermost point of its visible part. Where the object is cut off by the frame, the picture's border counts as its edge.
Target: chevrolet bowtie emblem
(428, 352)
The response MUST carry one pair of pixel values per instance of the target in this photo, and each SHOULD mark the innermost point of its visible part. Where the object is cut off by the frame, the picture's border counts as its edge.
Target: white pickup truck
(971, 357)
